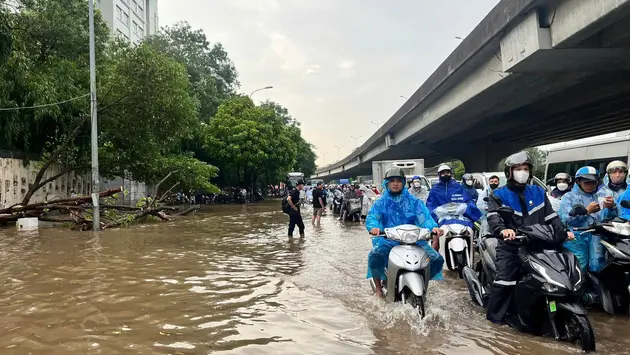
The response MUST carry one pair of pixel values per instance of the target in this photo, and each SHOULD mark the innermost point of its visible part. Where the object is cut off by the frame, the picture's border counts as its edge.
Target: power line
(44, 105)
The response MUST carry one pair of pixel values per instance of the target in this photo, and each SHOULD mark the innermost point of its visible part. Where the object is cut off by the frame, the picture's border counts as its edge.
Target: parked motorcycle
(608, 287)
(548, 296)
(456, 244)
(408, 267)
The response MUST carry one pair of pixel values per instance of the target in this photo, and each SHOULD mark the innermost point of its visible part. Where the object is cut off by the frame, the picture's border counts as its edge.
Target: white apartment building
(130, 19)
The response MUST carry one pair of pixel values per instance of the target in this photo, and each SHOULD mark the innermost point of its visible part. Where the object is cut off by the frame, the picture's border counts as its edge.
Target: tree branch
(157, 187)
(53, 157)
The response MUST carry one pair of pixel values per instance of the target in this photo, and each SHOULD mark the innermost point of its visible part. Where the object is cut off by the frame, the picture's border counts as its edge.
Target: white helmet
(443, 168)
(617, 165)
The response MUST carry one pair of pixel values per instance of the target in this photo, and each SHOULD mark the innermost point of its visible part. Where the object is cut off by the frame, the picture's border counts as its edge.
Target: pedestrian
(295, 217)
(318, 203)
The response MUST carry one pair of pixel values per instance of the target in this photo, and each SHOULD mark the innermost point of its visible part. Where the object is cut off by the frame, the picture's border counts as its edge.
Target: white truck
(411, 167)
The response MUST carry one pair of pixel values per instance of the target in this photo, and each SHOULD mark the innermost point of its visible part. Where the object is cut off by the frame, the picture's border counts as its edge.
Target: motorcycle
(456, 245)
(548, 296)
(608, 287)
(369, 197)
(408, 267)
(337, 202)
(353, 208)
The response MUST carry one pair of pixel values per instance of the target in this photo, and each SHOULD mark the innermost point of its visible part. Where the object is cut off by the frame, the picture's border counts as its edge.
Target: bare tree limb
(164, 195)
(157, 187)
(53, 157)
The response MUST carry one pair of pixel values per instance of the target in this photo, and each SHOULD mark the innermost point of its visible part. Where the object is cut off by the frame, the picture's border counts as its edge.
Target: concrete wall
(16, 177)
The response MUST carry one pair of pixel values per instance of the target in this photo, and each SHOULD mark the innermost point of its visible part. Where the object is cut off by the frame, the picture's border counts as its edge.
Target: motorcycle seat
(491, 246)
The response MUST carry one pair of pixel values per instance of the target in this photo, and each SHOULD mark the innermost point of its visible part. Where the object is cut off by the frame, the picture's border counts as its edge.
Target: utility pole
(96, 217)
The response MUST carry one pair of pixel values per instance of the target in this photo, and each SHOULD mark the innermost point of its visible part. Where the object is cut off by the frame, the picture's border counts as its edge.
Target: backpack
(285, 205)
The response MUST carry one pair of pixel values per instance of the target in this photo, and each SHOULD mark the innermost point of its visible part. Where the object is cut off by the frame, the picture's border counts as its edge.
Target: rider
(617, 172)
(448, 190)
(563, 181)
(350, 194)
(531, 206)
(482, 204)
(397, 206)
(469, 186)
(417, 190)
(599, 205)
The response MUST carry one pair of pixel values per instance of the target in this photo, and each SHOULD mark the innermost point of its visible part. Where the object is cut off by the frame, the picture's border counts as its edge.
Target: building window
(135, 6)
(140, 12)
(135, 27)
(126, 20)
(123, 35)
(119, 13)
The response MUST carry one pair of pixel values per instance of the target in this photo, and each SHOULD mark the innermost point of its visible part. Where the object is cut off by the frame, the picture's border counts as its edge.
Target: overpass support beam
(529, 48)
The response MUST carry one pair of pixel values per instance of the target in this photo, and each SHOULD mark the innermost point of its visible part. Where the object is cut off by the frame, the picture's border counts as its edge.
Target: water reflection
(228, 281)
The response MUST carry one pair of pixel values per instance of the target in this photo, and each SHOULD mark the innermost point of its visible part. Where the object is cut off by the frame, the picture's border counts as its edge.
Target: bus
(597, 153)
(313, 182)
(293, 178)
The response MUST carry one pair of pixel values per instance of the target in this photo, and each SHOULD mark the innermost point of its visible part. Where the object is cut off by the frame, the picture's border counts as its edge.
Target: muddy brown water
(228, 281)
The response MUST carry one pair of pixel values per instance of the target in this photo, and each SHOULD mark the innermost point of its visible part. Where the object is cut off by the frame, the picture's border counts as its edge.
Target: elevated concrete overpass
(532, 72)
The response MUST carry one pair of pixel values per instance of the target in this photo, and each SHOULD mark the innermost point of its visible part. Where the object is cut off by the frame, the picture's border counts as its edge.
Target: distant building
(130, 19)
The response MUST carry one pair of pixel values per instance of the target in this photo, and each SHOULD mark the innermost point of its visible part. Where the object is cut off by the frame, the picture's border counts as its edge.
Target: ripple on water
(228, 281)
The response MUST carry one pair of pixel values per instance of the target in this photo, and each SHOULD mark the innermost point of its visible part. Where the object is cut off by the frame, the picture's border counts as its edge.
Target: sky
(339, 66)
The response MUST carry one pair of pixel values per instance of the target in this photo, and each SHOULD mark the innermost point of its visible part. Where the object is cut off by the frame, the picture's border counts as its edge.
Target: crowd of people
(400, 204)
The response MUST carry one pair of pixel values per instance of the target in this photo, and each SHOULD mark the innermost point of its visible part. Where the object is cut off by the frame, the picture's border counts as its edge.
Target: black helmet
(467, 176)
(395, 172)
(299, 182)
(517, 159)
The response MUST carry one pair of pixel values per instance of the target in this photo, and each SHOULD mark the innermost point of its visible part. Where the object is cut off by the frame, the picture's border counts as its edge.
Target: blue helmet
(587, 173)
(416, 177)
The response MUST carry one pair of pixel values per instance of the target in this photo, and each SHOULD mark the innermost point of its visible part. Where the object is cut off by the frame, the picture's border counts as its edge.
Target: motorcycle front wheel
(579, 330)
(417, 302)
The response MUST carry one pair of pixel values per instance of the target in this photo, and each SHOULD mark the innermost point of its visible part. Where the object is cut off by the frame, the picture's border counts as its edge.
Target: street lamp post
(265, 88)
(377, 124)
(356, 141)
(96, 220)
(339, 151)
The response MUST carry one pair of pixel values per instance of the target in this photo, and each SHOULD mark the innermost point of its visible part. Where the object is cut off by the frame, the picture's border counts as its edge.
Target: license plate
(552, 306)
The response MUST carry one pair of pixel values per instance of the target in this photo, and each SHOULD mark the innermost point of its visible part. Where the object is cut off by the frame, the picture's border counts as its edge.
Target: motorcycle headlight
(543, 272)
(409, 237)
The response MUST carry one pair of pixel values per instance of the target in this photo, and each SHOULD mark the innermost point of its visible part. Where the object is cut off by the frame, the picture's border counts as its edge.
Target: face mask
(521, 176)
(494, 186)
(469, 182)
(562, 186)
(445, 178)
(417, 185)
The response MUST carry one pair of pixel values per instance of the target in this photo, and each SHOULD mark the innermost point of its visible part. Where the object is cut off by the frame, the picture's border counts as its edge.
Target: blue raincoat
(443, 193)
(623, 212)
(586, 247)
(390, 211)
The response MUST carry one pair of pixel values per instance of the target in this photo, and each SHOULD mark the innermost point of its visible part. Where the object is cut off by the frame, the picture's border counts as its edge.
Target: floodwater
(228, 281)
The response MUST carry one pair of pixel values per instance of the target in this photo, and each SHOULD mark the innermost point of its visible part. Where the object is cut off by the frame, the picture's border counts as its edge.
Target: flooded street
(228, 281)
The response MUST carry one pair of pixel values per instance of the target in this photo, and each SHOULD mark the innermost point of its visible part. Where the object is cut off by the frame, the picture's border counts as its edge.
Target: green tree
(48, 62)
(250, 143)
(305, 157)
(458, 168)
(212, 74)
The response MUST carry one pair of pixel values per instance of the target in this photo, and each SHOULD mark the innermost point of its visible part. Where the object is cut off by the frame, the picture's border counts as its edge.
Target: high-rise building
(130, 19)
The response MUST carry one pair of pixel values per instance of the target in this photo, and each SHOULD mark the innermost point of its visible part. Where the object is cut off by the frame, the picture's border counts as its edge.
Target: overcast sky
(337, 65)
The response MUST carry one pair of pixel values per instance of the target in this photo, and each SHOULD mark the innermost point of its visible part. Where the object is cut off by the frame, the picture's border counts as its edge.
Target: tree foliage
(165, 105)
(212, 74)
(250, 143)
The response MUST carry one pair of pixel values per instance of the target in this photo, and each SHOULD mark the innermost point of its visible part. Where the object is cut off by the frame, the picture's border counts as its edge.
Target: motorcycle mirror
(578, 210)
(625, 203)
(551, 182)
(485, 199)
